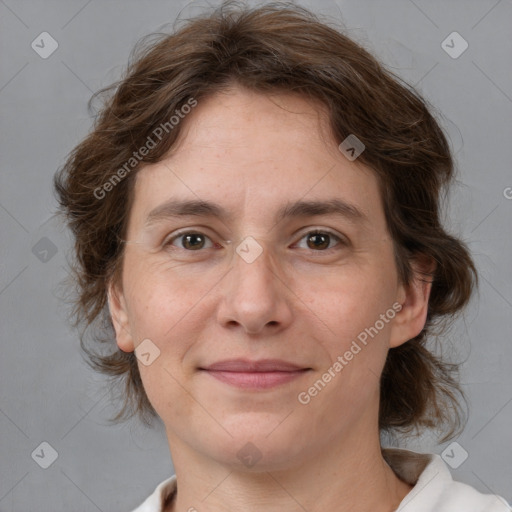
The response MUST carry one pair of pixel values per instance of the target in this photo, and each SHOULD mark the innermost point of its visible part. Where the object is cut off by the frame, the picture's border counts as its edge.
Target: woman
(256, 216)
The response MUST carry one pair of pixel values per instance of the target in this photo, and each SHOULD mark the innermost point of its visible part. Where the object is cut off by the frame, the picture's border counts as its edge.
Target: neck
(353, 476)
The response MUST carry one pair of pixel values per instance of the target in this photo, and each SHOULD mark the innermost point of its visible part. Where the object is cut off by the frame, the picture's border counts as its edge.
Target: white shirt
(434, 488)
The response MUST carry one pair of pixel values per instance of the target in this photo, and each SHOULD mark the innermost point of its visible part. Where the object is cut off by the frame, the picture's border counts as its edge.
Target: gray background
(47, 394)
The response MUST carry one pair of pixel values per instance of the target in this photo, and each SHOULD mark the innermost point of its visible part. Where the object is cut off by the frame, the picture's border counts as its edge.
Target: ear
(119, 315)
(414, 297)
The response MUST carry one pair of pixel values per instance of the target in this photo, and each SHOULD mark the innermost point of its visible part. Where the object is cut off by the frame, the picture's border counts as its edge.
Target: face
(293, 263)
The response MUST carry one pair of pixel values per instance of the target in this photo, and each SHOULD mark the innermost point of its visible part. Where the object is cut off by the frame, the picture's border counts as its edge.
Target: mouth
(263, 374)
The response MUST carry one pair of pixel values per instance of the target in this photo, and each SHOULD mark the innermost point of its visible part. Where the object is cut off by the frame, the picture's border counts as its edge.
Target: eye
(191, 240)
(321, 240)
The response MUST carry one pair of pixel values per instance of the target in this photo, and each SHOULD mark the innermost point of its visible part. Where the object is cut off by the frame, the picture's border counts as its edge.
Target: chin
(260, 445)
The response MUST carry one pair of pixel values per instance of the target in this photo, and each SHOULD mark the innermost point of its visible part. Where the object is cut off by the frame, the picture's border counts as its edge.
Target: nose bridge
(253, 264)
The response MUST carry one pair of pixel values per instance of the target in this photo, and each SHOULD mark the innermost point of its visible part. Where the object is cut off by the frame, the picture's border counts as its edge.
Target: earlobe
(414, 298)
(119, 316)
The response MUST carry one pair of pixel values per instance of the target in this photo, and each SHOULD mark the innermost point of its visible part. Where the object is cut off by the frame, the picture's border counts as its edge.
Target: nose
(255, 294)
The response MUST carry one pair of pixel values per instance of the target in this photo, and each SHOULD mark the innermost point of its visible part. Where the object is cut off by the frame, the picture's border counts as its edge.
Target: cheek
(351, 306)
(162, 301)
(356, 343)
(162, 383)
(350, 300)
(166, 311)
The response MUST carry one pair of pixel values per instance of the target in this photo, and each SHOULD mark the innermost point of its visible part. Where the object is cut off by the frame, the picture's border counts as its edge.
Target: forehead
(250, 152)
(242, 121)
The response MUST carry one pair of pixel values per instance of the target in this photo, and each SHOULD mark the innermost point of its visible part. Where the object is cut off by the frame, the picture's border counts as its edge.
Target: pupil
(316, 236)
(188, 239)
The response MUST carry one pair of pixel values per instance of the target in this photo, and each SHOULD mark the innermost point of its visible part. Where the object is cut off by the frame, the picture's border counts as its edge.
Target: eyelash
(341, 241)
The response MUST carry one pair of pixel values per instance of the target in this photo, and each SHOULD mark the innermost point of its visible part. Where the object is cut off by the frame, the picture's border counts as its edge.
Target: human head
(270, 50)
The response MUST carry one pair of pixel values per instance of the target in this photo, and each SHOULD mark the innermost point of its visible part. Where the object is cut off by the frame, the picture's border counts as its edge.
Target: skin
(252, 153)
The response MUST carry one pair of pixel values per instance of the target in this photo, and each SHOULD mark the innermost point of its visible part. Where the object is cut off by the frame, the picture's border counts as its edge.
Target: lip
(246, 365)
(262, 374)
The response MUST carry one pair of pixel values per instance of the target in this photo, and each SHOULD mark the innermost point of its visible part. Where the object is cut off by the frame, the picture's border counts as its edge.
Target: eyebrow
(199, 208)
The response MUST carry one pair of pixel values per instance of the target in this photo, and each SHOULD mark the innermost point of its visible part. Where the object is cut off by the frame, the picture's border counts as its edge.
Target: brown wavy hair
(285, 48)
